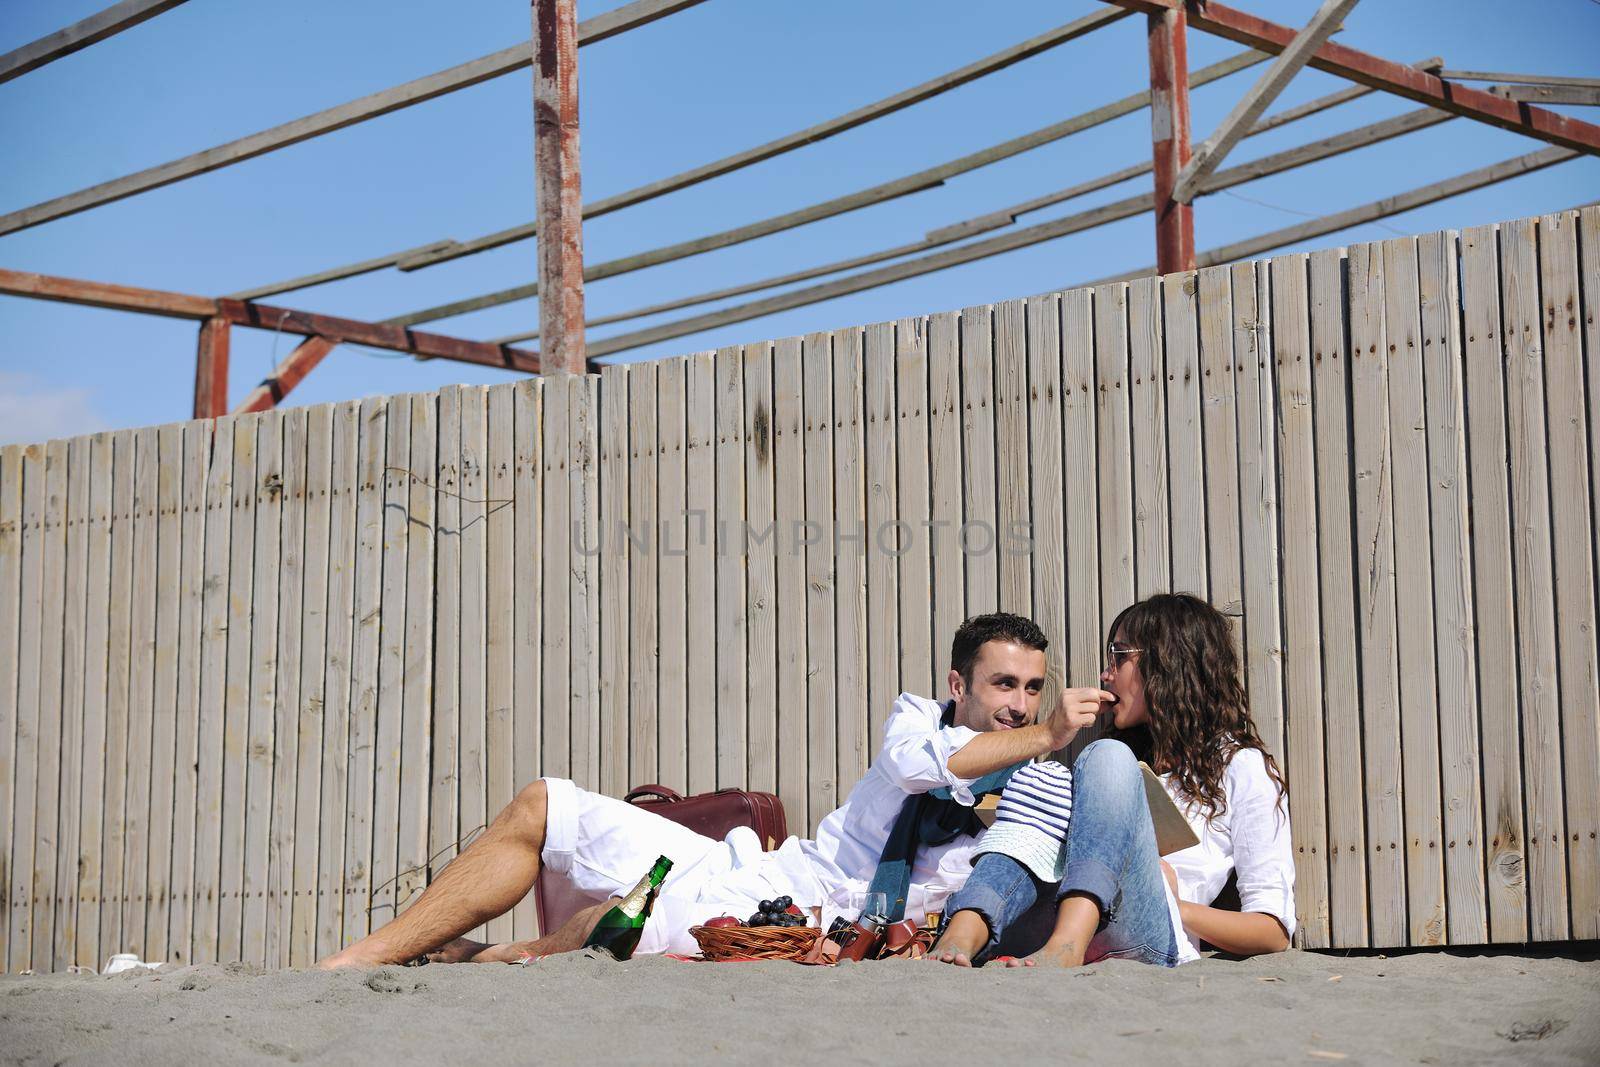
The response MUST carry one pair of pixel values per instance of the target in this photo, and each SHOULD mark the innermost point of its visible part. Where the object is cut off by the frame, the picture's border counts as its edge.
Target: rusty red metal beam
(1169, 138)
(559, 184)
(106, 295)
(286, 375)
(211, 369)
(1370, 70)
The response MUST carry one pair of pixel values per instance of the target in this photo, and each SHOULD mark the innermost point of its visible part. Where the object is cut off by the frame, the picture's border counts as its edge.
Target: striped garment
(1039, 796)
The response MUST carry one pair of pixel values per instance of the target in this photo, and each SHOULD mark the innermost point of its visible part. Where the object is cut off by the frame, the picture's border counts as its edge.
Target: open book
(1173, 832)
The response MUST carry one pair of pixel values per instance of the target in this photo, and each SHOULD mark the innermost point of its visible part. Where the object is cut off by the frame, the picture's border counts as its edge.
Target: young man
(603, 845)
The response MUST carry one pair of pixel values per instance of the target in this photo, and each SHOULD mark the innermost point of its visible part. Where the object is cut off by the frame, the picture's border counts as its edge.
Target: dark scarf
(931, 818)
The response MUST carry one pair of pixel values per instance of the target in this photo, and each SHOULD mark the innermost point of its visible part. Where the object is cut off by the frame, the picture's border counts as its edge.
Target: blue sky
(712, 80)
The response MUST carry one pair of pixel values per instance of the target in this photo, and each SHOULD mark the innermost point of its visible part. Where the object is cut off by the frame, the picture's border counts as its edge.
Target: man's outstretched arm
(989, 752)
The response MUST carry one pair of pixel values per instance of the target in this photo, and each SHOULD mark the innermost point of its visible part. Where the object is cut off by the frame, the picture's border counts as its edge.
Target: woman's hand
(1076, 709)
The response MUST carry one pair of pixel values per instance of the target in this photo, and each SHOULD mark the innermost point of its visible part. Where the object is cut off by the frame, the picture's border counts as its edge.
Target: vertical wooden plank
(849, 535)
(1114, 449)
(460, 722)
(1185, 449)
(311, 710)
(1533, 569)
(345, 483)
(1258, 502)
(945, 473)
(1454, 648)
(1045, 485)
(372, 520)
(643, 534)
(216, 616)
(25, 811)
(236, 722)
(1219, 421)
(788, 470)
(500, 520)
(980, 532)
(192, 514)
(47, 901)
(11, 518)
(1419, 723)
(165, 710)
(415, 758)
(1375, 586)
(455, 807)
(701, 631)
(822, 716)
(583, 493)
(731, 607)
(615, 558)
(1015, 511)
(1572, 534)
(1297, 489)
(671, 641)
(883, 630)
(527, 633)
(556, 584)
(761, 574)
(390, 680)
(290, 654)
(1147, 394)
(260, 749)
(1489, 504)
(1330, 384)
(74, 666)
(86, 858)
(1583, 739)
(135, 839)
(1079, 479)
(911, 542)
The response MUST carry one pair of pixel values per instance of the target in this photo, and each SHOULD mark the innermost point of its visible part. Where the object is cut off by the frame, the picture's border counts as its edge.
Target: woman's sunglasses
(1117, 653)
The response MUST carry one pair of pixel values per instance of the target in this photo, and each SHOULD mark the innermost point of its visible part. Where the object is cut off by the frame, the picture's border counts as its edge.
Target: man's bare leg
(490, 876)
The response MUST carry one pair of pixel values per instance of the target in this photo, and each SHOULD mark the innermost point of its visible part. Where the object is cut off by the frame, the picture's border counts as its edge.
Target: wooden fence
(258, 677)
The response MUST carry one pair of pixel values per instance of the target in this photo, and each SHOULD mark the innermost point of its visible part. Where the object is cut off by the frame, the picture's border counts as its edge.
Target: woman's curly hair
(1199, 711)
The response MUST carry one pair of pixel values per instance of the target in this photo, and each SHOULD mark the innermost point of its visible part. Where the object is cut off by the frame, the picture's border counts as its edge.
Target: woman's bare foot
(461, 950)
(962, 939)
(1056, 952)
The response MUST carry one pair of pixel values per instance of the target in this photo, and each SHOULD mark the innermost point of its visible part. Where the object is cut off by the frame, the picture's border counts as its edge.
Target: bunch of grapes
(779, 912)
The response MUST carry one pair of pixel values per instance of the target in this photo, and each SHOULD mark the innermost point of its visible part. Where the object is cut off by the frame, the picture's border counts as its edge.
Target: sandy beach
(1296, 1007)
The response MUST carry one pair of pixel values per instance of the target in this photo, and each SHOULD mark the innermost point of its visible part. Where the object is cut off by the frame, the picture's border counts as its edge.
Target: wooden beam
(211, 369)
(924, 179)
(1372, 212)
(442, 251)
(286, 375)
(335, 118)
(1006, 216)
(1169, 136)
(559, 184)
(97, 27)
(1519, 79)
(1390, 77)
(105, 295)
(1210, 153)
(1549, 94)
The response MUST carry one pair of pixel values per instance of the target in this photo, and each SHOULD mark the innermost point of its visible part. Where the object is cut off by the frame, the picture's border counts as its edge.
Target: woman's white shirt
(1250, 837)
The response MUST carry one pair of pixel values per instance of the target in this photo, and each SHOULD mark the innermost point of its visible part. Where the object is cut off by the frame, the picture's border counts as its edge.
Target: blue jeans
(1111, 857)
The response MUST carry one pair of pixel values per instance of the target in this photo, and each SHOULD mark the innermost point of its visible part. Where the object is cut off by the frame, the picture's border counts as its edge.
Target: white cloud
(31, 411)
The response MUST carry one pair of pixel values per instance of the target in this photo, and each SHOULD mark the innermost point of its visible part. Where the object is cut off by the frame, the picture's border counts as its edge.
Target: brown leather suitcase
(709, 814)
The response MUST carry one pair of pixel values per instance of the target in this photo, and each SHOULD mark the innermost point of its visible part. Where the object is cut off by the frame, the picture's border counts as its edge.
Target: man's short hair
(996, 626)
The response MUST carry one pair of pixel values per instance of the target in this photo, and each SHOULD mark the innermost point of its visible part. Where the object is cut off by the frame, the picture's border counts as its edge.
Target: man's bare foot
(360, 954)
(962, 939)
(461, 950)
(1055, 953)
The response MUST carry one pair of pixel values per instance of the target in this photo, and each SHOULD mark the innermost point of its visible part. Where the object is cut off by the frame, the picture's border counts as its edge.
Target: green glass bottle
(618, 931)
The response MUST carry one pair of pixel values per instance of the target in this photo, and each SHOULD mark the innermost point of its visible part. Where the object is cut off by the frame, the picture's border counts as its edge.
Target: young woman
(1180, 702)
